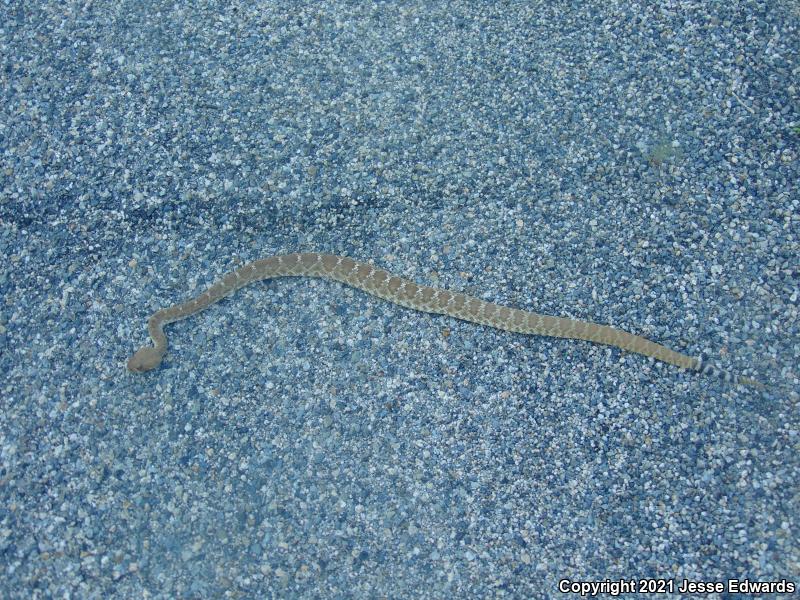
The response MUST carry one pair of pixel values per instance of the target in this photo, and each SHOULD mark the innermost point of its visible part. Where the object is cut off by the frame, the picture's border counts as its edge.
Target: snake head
(145, 359)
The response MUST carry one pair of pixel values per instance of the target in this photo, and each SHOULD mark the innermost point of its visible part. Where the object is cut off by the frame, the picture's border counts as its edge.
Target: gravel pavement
(630, 163)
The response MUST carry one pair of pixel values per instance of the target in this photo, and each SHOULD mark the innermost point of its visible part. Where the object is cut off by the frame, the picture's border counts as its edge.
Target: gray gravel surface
(634, 164)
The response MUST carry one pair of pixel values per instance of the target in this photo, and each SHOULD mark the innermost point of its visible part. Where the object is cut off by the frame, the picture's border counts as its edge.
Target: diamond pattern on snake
(406, 293)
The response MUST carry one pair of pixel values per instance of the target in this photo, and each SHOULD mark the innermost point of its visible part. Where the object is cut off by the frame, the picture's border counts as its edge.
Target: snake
(423, 298)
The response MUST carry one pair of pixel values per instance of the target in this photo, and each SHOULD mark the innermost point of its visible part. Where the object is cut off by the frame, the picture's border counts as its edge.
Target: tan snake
(419, 297)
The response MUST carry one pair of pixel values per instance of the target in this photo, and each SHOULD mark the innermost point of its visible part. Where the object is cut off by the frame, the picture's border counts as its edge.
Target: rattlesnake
(419, 297)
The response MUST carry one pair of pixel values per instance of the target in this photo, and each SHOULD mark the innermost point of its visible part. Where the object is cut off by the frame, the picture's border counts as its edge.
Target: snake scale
(423, 298)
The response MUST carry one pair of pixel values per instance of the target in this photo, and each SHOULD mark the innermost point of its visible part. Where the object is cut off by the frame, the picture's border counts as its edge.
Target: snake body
(404, 292)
